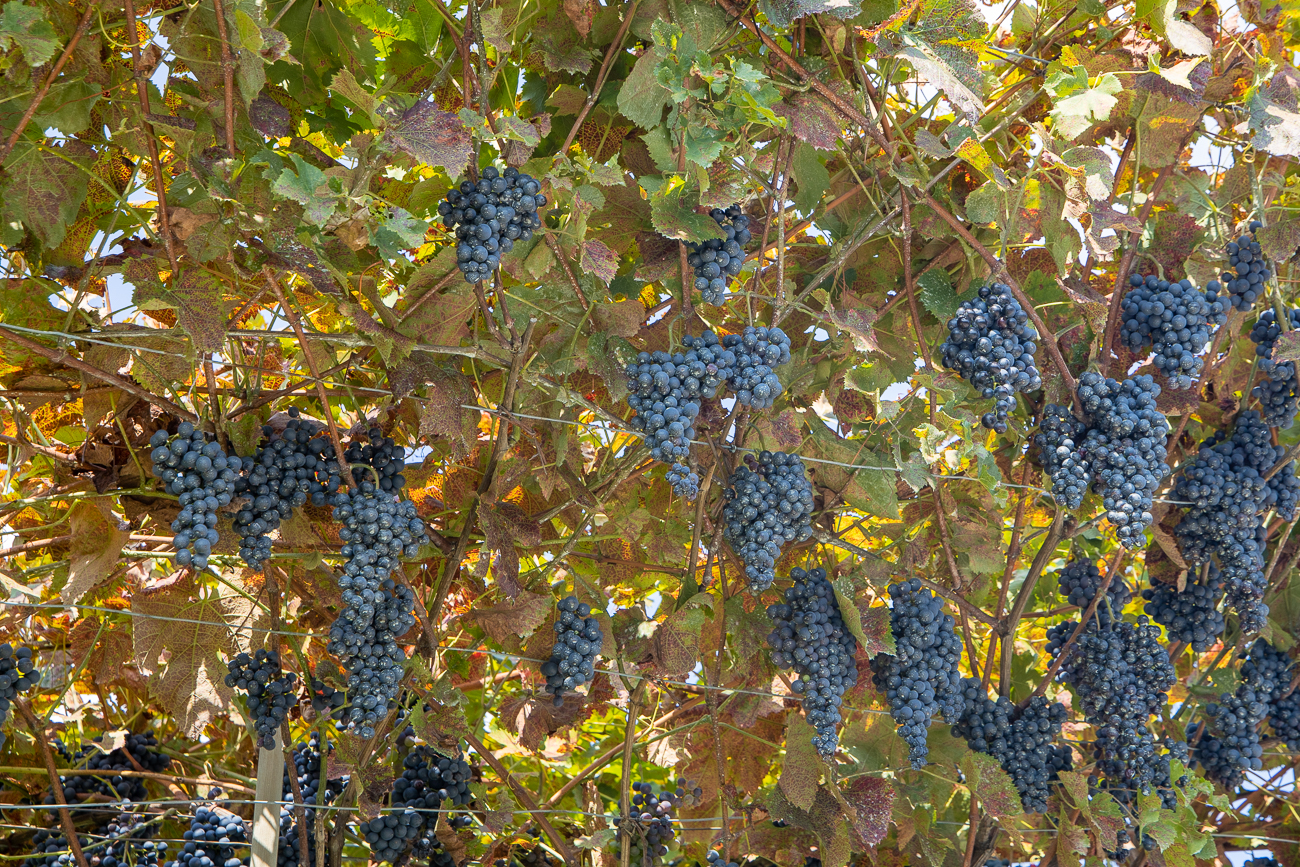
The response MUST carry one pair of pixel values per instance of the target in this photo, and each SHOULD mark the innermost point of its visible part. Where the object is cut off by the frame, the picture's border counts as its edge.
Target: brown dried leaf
(445, 414)
(623, 318)
(514, 618)
(811, 119)
(97, 540)
(433, 136)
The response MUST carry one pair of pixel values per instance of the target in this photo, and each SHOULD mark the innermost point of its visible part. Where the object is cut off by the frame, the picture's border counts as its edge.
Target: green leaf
(641, 98)
(306, 185)
(346, 86)
(46, 188)
(672, 210)
(1080, 101)
(937, 294)
(812, 178)
(782, 13)
(996, 792)
(401, 230)
(30, 30)
(801, 770)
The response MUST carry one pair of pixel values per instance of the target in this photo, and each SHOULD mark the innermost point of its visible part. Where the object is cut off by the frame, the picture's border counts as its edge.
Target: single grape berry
(769, 503)
(922, 678)
(810, 637)
(1248, 271)
(991, 345)
(717, 260)
(270, 692)
(1175, 319)
(488, 216)
(577, 647)
(204, 479)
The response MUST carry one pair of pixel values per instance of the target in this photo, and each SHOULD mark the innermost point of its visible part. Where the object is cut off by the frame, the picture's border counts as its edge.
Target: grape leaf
(782, 13)
(1274, 117)
(30, 30)
(308, 186)
(872, 800)
(98, 537)
(801, 768)
(433, 136)
(937, 293)
(811, 119)
(642, 98)
(514, 618)
(47, 185)
(672, 210)
(811, 177)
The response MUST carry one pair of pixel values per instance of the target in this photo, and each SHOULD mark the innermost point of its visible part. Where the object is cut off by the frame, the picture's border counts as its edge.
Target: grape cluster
(489, 216)
(17, 674)
(127, 844)
(810, 637)
(1079, 582)
(204, 479)
(1023, 745)
(326, 700)
(1279, 394)
(1229, 744)
(287, 472)
(270, 692)
(1229, 498)
(1269, 672)
(757, 350)
(213, 839)
(427, 780)
(378, 530)
(50, 849)
(922, 679)
(577, 647)
(107, 782)
(1175, 319)
(1060, 448)
(991, 345)
(717, 859)
(769, 502)
(652, 820)
(1119, 449)
(1191, 616)
(306, 769)
(1248, 271)
(717, 259)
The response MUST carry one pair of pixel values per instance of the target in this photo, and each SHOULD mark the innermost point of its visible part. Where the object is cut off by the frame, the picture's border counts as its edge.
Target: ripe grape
(991, 345)
(204, 479)
(652, 821)
(270, 692)
(577, 647)
(769, 503)
(1191, 616)
(757, 351)
(213, 839)
(488, 216)
(718, 259)
(1059, 441)
(1248, 271)
(1174, 318)
(427, 780)
(1279, 394)
(17, 674)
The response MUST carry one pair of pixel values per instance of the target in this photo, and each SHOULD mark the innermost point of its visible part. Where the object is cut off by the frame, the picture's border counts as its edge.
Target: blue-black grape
(204, 479)
(297, 467)
(991, 345)
(327, 700)
(810, 637)
(652, 822)
(216, 838)
(1279, 393)
(18, 673)
(107, 782)
(1248, 271)
(769, 503)
(1079, 582)
(717, 260)
(488, 216)
(577, 647)
(757, 351)
(1191, 616)
(1229, 745)
(270, 692)
(427, 780)
(922, 678)
(1060, 442)
(1174, 318)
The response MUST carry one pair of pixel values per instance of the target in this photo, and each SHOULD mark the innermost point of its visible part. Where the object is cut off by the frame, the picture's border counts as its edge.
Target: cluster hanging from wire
(717, 260)
(769, 504)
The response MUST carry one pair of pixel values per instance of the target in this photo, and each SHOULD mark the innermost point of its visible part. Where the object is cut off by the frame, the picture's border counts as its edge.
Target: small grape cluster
(757, 351)
(1229, 744)
(18, 673)
(306, 769)
(137, 752)
(810, 637)
(1191, 616)
(717, 859)
(50, 849)
(289, 471)
(326, 700)
(991, 345)
(427, 780)
(128, 844)
(1023, 745)
(364, 638)
(718, 259)
(1248, 271)
(1119, 449)
(204, 479)
(1175, 319)
(922, 678)
(577, 647)
(652, 820)
(1229, 497)
(1079, 583)
(1279, 394)
(378, 460)
(769, 502)
(213, 839)
(488, 216)
(270, 692)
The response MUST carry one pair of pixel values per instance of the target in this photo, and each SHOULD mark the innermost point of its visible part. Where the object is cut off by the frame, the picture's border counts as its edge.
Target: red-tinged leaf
(599, 261)
(46, 187)
(872, 800)
(991, 784)
(433, 136)
(801, 768)
(858, 320)
(98, 537)
(581, 13)
(676, 643)
(533, 720)
(201, 310)
(514, 618)
(499, 535)
(811, 119)
(445, 413)
(623, 318)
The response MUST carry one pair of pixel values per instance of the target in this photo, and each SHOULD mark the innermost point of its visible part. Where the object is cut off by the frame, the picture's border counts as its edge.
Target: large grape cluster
(489, 216)
(137, 752)
(1060, 449)
(1023, 744)
(270, 692)
(298, 466)
(652, 822)
(757, 351)
(769, 503)
(718, 259)
(922, 678)
(18, 673)
(810, 637)
(577, 647)
(1175, 319)
(204, 479)
(991, 345)
(1279, 394)
(1191, 616)
(1248, 271)
(427, 780)
(214, 839)
(1229, 497)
